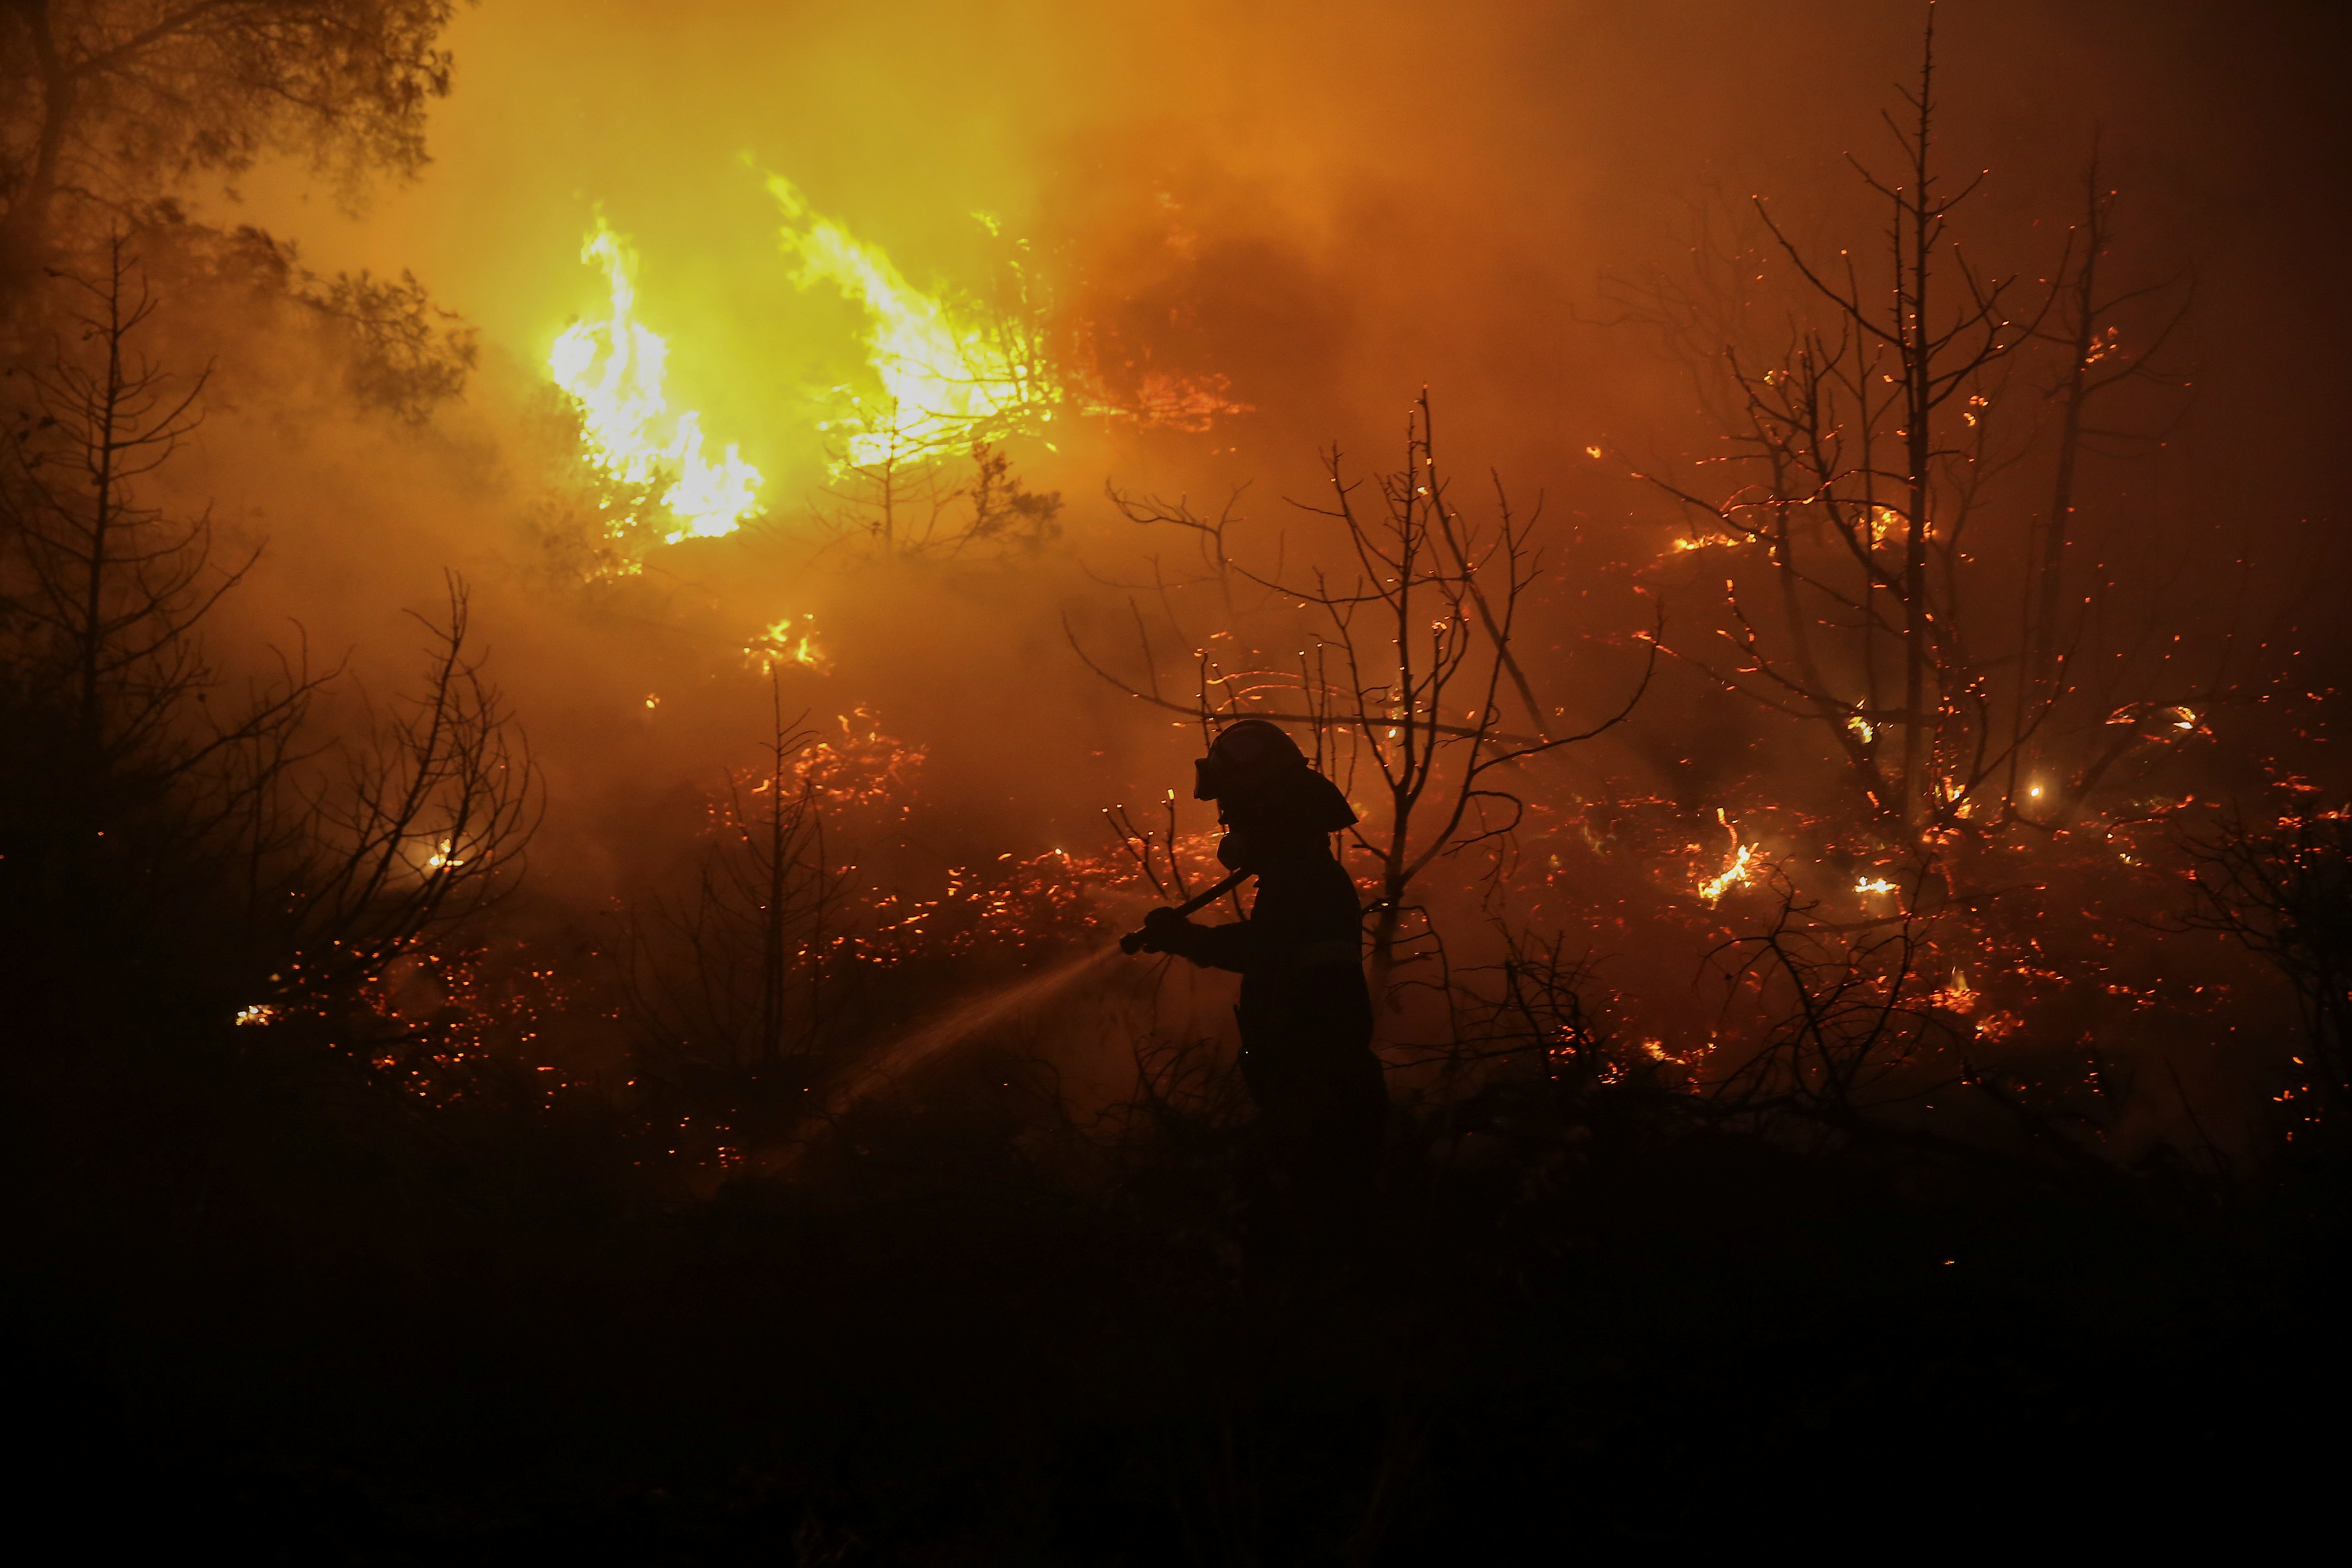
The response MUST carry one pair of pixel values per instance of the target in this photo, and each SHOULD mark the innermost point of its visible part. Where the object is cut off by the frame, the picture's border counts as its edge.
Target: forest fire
(945, 374)
(1737, 698)
(615, 369)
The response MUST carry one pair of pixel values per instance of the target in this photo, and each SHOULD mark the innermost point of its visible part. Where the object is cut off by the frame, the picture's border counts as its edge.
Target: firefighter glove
(1165, 930)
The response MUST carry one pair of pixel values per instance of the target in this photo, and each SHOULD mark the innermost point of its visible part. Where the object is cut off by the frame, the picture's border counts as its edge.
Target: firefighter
(1304, 1012)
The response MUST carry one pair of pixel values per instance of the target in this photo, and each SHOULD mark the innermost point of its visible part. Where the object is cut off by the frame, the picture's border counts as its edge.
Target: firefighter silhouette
(1304, 1012)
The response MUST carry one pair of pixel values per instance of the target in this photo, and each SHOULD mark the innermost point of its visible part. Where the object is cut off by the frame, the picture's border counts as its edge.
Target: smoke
(1328, 207)
(1334, 205)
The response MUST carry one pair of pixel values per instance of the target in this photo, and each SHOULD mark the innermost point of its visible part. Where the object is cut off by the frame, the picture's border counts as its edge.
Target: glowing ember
(1960, 996)
(1735, 872)
(614, 368)
(256, 1015)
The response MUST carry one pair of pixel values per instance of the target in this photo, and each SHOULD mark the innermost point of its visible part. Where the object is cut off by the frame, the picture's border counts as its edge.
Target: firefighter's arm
(1210, 947)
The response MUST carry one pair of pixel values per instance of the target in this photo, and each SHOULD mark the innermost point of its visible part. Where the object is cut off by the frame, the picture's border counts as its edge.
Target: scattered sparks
(256, 1016)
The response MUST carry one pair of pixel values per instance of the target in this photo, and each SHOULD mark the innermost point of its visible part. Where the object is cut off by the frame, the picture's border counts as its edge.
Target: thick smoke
(1331, 208)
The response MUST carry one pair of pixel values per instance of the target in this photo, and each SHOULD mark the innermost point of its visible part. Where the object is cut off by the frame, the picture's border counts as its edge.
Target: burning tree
(1860, 492)
(1872, 448)
(897, 491)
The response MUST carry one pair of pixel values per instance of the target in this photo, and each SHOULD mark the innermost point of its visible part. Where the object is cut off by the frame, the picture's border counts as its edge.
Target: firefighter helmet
(1247, 755)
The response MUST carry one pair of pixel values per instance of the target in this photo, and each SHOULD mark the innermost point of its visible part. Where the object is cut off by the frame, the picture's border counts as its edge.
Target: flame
(780, 644)
(1960, 996)
(615, 369)
(948, 378)
(1874, 884)
(940, 372)
(1715, 887)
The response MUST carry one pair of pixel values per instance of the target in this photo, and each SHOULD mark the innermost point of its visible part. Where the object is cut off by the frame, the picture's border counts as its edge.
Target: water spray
(909, 1051)
(992, 1007)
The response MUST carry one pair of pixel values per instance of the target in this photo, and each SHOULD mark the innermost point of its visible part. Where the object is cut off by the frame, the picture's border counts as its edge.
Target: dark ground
(256, 1305)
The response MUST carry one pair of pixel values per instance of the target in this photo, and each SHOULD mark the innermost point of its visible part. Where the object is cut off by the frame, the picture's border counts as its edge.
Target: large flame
(616, 367)
(940, 372)
(950, 374)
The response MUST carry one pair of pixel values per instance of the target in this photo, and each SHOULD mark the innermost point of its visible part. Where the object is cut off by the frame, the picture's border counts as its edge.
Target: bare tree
(731, 976)
(1864, 492)
(105, 591)
(889, 485)
(1864, 596)
(2084, 323)
(206, 811)
(2283, 889)
(1848, 1025)
(896, 490)
(424, 831)
(2098, 363)
(1932, 366)
(1405, 683)
(1426, 623)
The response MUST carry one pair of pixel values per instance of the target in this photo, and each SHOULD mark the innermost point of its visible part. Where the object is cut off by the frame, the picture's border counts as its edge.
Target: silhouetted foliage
(161, 821)
(106, 103)
(2282, 885)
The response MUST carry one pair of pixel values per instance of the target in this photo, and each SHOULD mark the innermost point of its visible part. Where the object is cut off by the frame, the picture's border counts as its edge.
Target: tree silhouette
(105, 103)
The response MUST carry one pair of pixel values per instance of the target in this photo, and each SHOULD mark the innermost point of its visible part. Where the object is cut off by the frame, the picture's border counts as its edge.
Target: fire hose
(1133, 941)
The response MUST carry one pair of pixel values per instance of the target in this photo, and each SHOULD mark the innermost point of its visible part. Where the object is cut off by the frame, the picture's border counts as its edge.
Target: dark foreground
(258, 1308)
